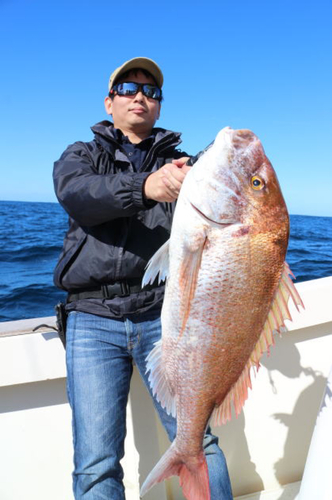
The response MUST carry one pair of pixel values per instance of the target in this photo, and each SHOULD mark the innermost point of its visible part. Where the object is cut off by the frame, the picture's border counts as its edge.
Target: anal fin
(158, 382)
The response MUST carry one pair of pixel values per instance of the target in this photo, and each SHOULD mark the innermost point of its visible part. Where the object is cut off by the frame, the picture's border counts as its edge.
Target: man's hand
(165, 184)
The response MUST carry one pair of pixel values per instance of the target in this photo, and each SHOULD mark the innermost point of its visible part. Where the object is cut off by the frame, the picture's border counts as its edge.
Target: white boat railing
(266, 446)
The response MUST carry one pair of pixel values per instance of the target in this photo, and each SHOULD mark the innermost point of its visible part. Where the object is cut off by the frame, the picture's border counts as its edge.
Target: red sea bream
(227, 291)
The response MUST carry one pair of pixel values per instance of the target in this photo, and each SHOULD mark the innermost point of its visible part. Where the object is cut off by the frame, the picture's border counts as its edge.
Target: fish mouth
(223, 224)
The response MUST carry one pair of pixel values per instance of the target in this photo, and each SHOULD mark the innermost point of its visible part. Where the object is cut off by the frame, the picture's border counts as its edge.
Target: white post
(317, 476)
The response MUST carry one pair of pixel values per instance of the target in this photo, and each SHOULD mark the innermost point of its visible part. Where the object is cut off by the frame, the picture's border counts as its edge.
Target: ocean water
(31, 236)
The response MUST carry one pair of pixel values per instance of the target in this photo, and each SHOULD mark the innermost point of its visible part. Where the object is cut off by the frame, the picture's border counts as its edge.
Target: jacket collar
(105, 130)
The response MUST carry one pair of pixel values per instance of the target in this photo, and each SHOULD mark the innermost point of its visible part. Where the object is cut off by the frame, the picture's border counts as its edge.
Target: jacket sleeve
(91, 198)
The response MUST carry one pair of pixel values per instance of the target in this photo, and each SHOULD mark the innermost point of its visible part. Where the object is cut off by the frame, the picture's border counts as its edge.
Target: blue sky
(262, 65)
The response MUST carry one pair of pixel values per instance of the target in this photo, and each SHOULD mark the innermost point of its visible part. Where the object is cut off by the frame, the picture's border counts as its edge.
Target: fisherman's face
(136, 113)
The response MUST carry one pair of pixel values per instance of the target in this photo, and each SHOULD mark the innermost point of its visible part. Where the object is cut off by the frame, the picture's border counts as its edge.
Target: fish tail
(195, 482)
(194, 477)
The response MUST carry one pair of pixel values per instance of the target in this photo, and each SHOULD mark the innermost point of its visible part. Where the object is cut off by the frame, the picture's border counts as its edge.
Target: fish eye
(257, 183)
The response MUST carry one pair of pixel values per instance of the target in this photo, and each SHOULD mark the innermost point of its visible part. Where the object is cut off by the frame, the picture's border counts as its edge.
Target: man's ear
(108, 105)
(158, 115)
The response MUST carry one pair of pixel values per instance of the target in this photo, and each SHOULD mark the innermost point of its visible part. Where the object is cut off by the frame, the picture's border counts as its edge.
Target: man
(119, 191)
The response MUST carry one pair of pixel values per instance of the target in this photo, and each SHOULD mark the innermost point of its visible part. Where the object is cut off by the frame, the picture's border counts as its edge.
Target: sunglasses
(132, 88)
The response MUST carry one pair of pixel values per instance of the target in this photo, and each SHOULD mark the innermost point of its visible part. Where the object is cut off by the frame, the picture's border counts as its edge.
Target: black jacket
(113, 231)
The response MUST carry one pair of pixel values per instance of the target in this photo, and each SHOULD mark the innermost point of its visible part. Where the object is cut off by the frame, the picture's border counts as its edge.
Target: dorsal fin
(274, 323)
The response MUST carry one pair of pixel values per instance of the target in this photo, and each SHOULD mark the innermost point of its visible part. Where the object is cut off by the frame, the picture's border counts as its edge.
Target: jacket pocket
(66, 259)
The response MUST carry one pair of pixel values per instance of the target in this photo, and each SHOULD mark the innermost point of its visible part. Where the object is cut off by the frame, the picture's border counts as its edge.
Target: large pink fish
(226, 293)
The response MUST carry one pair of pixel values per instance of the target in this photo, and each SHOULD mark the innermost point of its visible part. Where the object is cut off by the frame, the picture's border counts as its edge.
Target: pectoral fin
(188, 278)
(279, 312)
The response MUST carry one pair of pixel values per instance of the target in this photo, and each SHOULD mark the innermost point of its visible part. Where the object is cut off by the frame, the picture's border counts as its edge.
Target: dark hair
(135, 72)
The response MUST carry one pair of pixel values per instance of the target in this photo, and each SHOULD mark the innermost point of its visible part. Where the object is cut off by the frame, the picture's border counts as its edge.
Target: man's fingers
(180, 162)
(174, 176)
(172, 187)
(165, 184)
(156, 189)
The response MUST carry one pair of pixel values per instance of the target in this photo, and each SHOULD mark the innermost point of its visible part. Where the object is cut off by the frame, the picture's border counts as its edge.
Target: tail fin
(194, 477)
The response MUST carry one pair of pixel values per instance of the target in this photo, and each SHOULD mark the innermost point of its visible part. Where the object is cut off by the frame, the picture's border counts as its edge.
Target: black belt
(118, 289)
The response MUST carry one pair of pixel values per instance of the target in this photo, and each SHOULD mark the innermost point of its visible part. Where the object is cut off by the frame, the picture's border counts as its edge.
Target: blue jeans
(100, 352)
